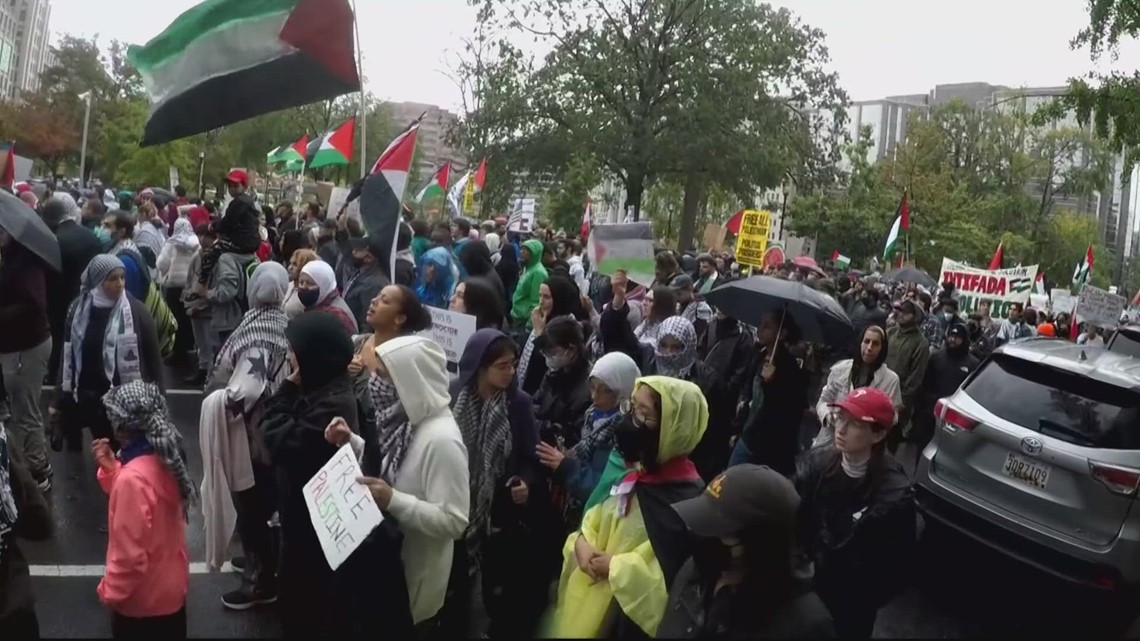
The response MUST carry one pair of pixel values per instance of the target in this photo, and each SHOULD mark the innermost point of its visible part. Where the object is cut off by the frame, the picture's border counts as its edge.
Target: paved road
(961, 591)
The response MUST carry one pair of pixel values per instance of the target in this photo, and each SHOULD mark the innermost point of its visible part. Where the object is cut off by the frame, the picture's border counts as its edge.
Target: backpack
(243, 291)
(165, 325)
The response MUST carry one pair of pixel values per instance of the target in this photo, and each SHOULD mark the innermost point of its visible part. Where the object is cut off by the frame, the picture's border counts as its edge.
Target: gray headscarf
(139, 408)
(70, 206)
(268, 285)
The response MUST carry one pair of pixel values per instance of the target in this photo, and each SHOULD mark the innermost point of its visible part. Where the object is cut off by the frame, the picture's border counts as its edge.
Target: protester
(316, 291)
(405, 273)
(1091, 336)
(77, 246)
(25, 347)
(742, 581)
(617, 567)
(237, 230)
(436, 282)
(690, 308)
(944, 374)
(856, 518)
(326, 246)
(198, 311)
(24, 515)
(225, 289)
(907, 358)
(292, 241)
(564, 395)
(301, 257)
(526, 295)
(421, 237)
(728, 351)
(935, 325)
(369, 279)
(479, 297)
(845, 376)
(556, 297)
(665, 269)
(508, 270)
(150, 229)
(173, 271)
(475, 257)
(1014, 327)
(109, 340)
(1063, 326)
(660, 302)
(148, 571)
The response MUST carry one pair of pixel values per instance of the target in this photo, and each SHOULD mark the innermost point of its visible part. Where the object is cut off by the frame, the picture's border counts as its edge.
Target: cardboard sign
(451, 331)
(324, 193)
(753, 239)
(1063, 301)
(714, 237)
(1101, 308)
(337, 198)
(626, 246)
(343, 511)
(522, 215)
(1000, 287)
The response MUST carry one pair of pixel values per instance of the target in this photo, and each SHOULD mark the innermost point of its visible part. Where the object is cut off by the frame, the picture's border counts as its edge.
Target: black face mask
(635, 442)
(308, 297)
(712, 557)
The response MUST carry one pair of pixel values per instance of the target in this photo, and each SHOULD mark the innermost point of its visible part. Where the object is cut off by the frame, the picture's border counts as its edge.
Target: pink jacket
(148, 571)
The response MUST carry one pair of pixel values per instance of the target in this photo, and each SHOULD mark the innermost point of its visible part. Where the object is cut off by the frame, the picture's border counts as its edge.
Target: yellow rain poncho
(647, 542)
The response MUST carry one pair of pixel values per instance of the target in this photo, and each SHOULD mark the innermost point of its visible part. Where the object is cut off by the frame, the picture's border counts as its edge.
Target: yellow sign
(753, 239)
(469, 198)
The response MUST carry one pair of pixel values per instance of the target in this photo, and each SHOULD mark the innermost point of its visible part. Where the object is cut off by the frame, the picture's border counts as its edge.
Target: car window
(1059, 404)
(1126, 343)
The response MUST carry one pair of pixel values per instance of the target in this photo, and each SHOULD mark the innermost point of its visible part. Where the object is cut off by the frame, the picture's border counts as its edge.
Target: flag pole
(363, 114)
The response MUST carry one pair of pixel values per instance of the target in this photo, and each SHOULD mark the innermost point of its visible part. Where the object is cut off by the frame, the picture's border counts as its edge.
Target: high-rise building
(431, 140)
(33, 34)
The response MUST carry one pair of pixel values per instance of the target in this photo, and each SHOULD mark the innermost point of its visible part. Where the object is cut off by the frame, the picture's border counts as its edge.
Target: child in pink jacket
(148, 571)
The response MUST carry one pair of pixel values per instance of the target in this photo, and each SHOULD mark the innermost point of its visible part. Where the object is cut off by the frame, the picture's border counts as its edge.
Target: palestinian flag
(227, 60)
(999, 255)
(480, 176)
(438, 184)
(1084, 269)
(902, 224)
(335, 147)
(289, 154)
(382, 195)
(586, 219)
(840, 260)
(1039, 284)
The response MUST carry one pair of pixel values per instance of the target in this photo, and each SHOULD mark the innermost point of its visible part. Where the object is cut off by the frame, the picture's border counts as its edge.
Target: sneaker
(245, 598)
(45, 483)
(238, 564)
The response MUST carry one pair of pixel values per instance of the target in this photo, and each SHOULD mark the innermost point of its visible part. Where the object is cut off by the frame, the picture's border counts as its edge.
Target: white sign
(1063, 301)
(337, 198)
(1096, 306)
(451, 331)
(1001, 288)
(173, 177)
(343, 511)
(522, 215)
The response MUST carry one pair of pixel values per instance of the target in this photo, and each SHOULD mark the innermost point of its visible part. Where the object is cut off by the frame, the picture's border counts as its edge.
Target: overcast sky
(879, 47)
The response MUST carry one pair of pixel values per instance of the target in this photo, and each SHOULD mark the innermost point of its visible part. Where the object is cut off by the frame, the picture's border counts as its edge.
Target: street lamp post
(201, 168)
(86, 97)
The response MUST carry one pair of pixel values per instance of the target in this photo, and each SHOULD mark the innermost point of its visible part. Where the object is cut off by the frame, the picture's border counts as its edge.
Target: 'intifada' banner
(1000, 287)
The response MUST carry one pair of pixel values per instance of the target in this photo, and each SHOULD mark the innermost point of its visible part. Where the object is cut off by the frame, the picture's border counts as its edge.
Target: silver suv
(1038, 455)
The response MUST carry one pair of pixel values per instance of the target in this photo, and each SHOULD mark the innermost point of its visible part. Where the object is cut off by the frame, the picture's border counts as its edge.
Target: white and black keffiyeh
(486, 429)
(139, 407)
(393, 430)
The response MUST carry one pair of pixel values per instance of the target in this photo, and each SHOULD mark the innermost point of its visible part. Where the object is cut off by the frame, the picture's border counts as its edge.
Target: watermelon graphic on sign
(774, 257)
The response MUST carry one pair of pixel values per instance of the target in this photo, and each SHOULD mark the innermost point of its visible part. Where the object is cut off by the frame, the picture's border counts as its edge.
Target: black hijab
(476, 258)
(482, 299)
(322, 346)
(566, 298)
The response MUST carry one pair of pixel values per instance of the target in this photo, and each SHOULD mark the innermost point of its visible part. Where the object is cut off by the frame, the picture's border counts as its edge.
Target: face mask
(556, 362)
(674, 364)
(634, 440)
(308, 297)
(948, 315)
(712, 557)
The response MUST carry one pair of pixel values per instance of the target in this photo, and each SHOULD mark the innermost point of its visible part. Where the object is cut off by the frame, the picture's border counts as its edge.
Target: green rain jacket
(526, 293)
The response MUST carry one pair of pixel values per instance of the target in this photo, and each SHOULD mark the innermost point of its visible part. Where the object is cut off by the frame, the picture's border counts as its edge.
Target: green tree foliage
(974, 178)
(563, 206)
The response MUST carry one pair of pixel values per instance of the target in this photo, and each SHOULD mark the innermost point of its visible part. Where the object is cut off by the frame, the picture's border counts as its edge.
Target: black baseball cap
(741, 498)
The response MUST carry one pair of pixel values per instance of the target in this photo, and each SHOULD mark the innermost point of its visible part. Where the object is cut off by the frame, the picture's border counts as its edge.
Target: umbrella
(819, 318)
(807, 262)
(24, 225)
(909, 275)
(161, 196)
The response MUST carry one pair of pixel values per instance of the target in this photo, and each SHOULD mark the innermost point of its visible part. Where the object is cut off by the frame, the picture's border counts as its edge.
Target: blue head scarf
(436, 293)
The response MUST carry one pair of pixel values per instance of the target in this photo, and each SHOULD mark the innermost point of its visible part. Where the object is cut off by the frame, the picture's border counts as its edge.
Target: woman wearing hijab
(475, 257)
(24, 514)
(856, 519)
(110, 341)
(499, 432)
(558, 296)
(292, 241)
(423, 477)
(508, 270)
(576, 471)
(617, 566)
(614, 325)
(564, 395)
(148, 571)
(436, 280)
(846, 376)
(173, 270)
(317, 292)
(301, 257)
(479, 297)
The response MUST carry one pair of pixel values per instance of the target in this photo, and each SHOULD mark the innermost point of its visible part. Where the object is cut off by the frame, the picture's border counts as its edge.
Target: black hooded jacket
(475, 257)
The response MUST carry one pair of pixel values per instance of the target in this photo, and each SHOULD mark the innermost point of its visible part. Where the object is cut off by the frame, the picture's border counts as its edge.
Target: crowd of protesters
(606, 459)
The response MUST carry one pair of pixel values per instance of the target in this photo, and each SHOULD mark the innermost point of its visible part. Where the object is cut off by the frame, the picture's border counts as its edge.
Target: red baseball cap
(238, 177)
(869, 405)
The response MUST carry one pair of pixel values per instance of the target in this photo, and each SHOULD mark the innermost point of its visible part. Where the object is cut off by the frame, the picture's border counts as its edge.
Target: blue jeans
(740, 453)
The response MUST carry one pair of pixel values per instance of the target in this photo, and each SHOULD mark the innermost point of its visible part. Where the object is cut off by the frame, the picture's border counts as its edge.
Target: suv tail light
(1118, 480)
(952, 419)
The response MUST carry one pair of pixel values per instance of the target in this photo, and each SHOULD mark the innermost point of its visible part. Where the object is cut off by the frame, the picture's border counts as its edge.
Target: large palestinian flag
(382, 195)
(227, 60)
(335, 147)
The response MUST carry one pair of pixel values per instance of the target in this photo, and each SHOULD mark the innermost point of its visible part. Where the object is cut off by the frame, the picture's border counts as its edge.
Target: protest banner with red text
(1000, 287)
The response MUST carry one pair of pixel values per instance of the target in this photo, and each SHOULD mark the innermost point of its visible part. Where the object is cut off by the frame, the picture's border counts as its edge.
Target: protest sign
(1098, 307)
(337, 198)
(451, 331)
(714, 237)
(625, 246)
(324, 192)
(1063, 301)
(753, 239)
(174, 182)
(522, 215)
(1000, 287)
(343, 511)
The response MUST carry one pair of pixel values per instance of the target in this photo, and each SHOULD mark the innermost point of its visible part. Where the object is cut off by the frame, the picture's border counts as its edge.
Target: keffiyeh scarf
(264, 328)
(139, 407)
(8, 511)
(486, 430)
(597, 432)
(393, 430)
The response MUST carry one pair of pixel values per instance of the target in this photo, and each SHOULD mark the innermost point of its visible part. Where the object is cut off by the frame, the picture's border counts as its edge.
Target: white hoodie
(431, 496)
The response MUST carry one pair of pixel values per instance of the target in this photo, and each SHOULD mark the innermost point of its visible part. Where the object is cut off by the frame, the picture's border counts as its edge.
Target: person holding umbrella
(27, 249)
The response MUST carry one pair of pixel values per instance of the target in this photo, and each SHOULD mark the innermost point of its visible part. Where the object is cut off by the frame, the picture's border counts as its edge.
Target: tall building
(34, 49)
(431, 140)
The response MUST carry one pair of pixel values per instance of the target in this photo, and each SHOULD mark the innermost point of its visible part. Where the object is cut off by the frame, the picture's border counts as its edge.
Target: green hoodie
(533, 276)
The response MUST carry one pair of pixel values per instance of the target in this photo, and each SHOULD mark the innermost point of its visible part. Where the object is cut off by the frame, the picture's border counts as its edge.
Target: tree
(563, 206)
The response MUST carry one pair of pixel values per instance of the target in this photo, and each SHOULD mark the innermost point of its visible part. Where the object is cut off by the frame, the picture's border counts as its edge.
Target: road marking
(68, 571)
(169, 392)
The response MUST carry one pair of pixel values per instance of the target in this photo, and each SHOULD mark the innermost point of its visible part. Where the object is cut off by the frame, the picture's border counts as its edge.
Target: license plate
(1029, 472)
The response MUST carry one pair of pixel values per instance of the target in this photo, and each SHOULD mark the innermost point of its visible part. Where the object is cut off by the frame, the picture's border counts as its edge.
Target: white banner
(451, 331)
(343, 511)
(1101, 308)
(1000, 287)
(1063, 301)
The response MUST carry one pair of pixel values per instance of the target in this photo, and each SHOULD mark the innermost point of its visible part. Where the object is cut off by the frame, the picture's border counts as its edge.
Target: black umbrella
(24, 225)
(819, 318)
(909, 275)
(162, 197)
